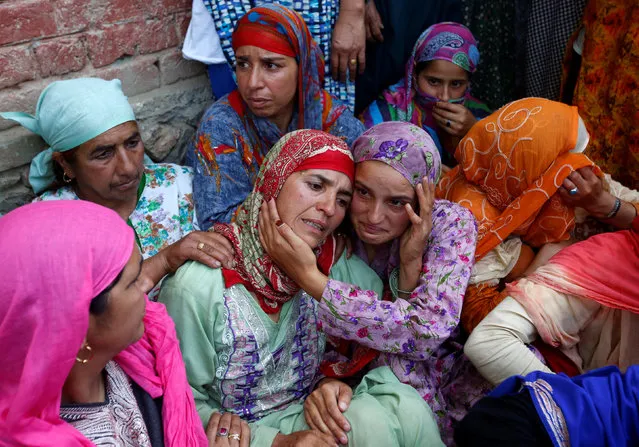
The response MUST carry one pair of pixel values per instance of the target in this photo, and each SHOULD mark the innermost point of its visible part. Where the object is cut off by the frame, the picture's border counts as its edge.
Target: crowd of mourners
(427, 273)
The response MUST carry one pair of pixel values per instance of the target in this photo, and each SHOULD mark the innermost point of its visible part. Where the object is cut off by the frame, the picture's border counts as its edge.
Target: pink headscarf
(58, 256)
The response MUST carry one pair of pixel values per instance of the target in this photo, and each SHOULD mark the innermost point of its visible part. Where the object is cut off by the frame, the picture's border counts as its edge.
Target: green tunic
(239, 360)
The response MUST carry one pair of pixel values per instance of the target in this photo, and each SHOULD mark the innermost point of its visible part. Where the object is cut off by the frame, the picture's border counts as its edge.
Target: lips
(259, 102)
(316, 225)
(372, 229)
(127, 185)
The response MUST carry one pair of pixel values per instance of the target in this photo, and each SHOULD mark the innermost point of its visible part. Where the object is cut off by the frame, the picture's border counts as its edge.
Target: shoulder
(227, 109)
(193, 284)
(168, 175)
(355, 271)
(450, 218)
(64, 193)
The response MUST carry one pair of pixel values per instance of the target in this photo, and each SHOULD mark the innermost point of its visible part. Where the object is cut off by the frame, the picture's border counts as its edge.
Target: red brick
(17, 64)
(72, 15)
(123, 10)
(111, 43)
(169, 6)
(138, 75)
(173, 68)
(23, 20)
(60, 56)
(158, 35)
(183, 20)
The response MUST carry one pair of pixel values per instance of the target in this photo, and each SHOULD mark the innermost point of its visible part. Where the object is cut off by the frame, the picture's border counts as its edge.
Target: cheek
(358, 206)
(399, 221)
(286, 84)
(425, 86)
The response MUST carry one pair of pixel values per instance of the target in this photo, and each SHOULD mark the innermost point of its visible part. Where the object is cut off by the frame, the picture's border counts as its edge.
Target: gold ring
(235, 437)
(200, 246)
(353, 61)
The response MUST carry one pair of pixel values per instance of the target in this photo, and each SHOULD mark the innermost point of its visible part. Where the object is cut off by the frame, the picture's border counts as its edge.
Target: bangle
(393, 283)
(615, 209)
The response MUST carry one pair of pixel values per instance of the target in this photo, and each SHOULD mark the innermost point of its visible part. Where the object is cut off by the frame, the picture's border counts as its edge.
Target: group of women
(331, 298)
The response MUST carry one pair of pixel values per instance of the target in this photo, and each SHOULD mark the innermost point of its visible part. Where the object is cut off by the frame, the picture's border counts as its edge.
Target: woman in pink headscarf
(87, 359)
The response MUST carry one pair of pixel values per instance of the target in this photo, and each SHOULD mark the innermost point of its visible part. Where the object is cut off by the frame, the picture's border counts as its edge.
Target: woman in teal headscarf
(96, 153)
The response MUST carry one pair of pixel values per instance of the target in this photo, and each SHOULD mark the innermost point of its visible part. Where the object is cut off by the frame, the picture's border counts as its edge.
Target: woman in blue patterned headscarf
(280, 73)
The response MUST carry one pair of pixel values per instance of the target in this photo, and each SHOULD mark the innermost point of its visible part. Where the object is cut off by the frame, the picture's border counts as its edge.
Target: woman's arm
(197, 326)
(223, 173)
(497, 346)
(416, 326)
(589, 194)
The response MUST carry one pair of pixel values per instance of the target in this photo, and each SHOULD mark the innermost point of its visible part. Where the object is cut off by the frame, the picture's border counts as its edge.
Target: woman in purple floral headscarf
(424, 250)
(435, 91)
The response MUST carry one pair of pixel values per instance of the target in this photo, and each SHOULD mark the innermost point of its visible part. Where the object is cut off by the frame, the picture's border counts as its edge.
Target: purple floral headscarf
(403, 146)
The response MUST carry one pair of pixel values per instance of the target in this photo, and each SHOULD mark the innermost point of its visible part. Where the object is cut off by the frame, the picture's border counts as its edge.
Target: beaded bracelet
(615, 209)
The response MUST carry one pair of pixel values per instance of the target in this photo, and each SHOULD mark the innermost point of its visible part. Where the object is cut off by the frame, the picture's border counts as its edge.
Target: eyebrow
(264, 59)
(138, 275)
(401, 197)
(329, 182)
(105, 147)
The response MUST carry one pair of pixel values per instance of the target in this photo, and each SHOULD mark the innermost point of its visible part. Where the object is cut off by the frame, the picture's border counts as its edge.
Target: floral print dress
(164, 213)
(418, 337)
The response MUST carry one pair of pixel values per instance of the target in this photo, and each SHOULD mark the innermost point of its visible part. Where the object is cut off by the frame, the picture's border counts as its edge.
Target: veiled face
(443, 80)
(314, 202)
(377, 212)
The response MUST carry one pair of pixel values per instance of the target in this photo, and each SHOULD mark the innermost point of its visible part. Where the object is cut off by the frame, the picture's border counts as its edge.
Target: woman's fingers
(312, 414)
(272, 208)
(235, 431)
(246, 435)
(412, 216)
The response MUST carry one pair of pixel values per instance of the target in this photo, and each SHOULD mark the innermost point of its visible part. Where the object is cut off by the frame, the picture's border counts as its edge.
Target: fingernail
(343, 440)
(278, 223)
(216, 264)
(342, 406)
(232, 264)
(347, 427)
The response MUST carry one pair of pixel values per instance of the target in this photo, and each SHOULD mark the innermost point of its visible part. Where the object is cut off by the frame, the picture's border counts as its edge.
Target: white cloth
(202, 42)
(497, 263)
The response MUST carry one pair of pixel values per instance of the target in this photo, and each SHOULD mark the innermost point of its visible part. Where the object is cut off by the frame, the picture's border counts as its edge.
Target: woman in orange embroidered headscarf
(515, 174)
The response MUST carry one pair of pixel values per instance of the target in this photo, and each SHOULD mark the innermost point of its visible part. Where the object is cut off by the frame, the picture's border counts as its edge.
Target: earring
(66, 178)
(89, 356)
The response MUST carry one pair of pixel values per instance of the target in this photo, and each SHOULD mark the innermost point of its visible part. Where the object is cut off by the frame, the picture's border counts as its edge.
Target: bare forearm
(355, 6)
(153, 270)
(314, 284)
(409, 277)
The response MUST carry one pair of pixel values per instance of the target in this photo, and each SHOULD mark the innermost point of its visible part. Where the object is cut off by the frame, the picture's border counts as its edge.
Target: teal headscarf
(68, 114)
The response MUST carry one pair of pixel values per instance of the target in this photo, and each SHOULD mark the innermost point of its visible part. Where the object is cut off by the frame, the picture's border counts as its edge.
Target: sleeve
(221, 181)
(347, 126)
(497, 346)
(377, 112)
(188, 219)
(196, 319)
(413, 327)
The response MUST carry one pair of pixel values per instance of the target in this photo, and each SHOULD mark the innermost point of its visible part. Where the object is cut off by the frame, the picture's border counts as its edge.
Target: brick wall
(136, 41)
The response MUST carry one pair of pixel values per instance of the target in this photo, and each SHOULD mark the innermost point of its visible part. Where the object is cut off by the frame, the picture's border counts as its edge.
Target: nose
(444, 94)
(375, 215)
(127, 162)
(255, 78)
(327, 204)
